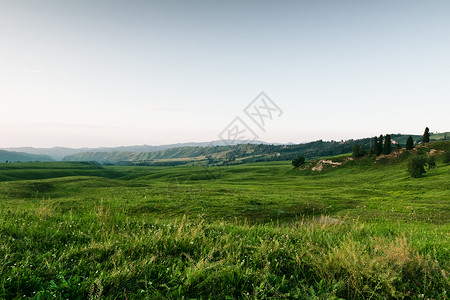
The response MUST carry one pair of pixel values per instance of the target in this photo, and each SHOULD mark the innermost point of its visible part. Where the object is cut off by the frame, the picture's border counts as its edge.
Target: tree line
(416, 164)
(383, 145)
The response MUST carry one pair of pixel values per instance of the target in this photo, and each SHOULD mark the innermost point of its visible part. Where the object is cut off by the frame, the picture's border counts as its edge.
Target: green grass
(44, 170)
(252, 231)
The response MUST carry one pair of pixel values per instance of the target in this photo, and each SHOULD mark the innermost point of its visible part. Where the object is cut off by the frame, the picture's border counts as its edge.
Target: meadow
(72, 230)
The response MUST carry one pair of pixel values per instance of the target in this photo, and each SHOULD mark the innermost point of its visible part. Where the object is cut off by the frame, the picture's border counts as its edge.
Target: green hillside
(220, 154)
(44, 170)
(401, 138)
(440, 136)
(360, 230)
(22, 157)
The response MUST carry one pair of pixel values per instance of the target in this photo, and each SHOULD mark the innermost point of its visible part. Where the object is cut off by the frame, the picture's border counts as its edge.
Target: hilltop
(397, 156)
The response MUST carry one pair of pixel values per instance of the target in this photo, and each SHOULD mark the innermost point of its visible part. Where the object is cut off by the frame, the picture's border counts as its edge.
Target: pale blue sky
(109, 73)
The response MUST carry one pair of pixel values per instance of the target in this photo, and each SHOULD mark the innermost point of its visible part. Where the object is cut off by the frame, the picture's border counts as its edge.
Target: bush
(416, 166)
(298, 161)
(431, 162)
(446, 157)
(358, 151)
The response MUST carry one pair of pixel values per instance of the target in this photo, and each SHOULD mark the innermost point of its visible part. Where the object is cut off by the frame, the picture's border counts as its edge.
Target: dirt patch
(435, 152)
(393, 154)
(321, 164)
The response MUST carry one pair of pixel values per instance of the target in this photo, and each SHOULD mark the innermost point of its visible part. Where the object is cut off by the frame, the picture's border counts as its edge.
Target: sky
(110, 73)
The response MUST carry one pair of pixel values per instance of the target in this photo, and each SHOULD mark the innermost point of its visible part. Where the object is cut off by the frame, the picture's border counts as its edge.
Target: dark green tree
(431, 162)
(387, 144)
(374, 146)
(446, 157)
(231, 155)
(409, 143)
(426, 136)
(416, 166)
(358, 151)
(379, 148)
(298, 161)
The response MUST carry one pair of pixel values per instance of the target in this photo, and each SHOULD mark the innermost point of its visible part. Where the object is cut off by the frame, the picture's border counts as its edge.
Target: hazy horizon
(114, 73)
(206, 142)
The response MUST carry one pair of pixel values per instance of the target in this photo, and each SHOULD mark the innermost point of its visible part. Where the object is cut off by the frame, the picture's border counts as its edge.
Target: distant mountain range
(197, 151)
(58, 153)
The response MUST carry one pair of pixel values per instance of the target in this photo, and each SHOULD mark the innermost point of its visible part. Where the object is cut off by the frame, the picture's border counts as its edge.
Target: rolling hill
(12, 156)
(58, 153)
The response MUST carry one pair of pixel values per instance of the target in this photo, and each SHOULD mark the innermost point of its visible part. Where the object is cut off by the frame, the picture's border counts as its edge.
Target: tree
(358, 151)
(446, 157)
(379, 148)
(375, 146)
(298, 161)
(231, 155)
(409, 143)
(431, 162)
(387, 145)
(416, 166)
(426, 136)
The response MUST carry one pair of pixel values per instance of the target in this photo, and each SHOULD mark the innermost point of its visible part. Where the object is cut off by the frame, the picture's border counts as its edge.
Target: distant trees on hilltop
(377, 147)
(383, 144)
(387, 145)
(418, 160)
(380, 145)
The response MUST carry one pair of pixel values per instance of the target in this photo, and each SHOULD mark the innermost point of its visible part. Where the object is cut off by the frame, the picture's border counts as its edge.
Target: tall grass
(105, 254)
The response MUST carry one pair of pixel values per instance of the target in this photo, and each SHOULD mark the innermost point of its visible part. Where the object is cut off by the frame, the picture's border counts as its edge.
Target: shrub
(298, 161)
(446, 157)
(431, 162)
(358, 151)
(416, 166)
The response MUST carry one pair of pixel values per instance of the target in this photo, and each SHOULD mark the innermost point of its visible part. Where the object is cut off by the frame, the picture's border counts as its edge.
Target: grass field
(252, 231)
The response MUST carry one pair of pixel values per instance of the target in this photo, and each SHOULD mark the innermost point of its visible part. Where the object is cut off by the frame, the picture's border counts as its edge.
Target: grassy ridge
(45, 170)
(248, 231)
